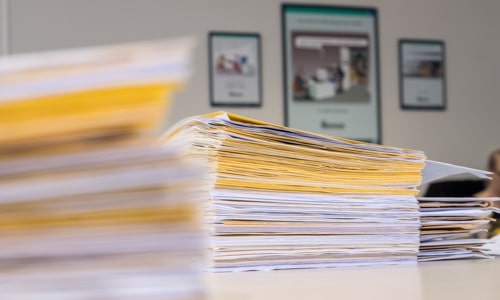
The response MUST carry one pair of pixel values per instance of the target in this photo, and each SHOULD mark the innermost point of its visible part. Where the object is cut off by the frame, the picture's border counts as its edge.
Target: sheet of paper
(435, 170)
(492, 247)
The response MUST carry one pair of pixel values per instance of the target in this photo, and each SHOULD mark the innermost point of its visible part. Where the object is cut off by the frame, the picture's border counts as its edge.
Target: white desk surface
(460, 279)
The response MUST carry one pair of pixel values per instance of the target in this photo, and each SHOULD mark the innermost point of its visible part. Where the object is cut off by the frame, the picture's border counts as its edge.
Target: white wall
(4, 21)
(463, 134)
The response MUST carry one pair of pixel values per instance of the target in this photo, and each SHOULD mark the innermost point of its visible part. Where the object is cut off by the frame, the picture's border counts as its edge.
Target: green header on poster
(329, 10)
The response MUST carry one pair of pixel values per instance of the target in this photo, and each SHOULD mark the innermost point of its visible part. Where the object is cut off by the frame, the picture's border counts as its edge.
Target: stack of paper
(452, 227)
(91, 205)
(82, 95)
(283, 198)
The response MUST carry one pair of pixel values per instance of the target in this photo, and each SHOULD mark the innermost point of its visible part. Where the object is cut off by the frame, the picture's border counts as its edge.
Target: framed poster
(235, 69)
(331, 71)
(422, 83)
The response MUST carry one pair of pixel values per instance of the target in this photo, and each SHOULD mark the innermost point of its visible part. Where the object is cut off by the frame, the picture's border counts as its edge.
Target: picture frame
(422, 74)
(235, 69)
(331, 70)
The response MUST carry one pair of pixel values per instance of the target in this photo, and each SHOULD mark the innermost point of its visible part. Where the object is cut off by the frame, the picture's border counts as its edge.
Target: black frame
(214, 102)
(377, 58)
(400, 74)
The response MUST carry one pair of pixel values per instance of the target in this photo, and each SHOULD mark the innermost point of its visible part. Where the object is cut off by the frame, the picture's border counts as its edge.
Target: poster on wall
(331, 70)
(235, 71)
(422, 74)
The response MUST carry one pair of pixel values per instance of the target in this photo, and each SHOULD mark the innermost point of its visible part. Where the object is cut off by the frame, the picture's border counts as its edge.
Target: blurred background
(463, 134)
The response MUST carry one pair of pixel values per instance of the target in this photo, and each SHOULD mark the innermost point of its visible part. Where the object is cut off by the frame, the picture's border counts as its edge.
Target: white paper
(435, 170)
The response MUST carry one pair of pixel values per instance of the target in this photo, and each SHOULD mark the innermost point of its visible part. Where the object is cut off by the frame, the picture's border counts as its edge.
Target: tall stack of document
(282, 198)
(91, 205)
(452, 227)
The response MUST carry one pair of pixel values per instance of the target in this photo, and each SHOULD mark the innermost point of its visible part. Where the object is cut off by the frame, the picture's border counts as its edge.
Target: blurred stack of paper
(91, 205)
(283, 198)
(452, 227)
(81, 95)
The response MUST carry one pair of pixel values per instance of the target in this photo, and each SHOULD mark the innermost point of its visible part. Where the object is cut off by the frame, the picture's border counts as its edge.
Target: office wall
(4, 19)
(463, 134)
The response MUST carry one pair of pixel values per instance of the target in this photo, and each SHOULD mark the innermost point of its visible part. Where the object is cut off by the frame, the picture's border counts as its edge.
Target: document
(282, 198)
(99, 92)
(92, 206)
(492, 247)
(435, 170)
(453, 228)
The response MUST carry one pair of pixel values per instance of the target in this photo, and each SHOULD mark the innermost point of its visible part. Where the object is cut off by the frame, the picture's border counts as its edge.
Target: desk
(460, 279)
